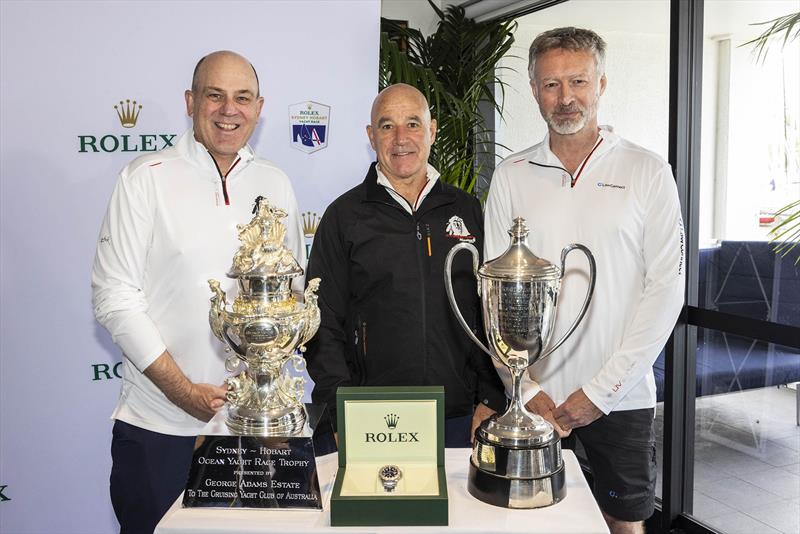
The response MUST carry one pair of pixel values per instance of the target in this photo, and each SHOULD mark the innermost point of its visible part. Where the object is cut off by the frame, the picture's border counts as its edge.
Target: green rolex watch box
(391, 457)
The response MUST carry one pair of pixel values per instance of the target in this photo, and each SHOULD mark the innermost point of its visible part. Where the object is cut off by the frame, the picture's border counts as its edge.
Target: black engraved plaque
(254, 472)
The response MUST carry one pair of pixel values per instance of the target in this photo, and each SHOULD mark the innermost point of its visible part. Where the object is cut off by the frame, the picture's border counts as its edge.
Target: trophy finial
(519, 231)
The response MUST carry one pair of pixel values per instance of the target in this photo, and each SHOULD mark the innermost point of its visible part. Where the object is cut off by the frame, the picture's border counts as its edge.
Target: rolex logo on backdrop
(3, 496)
(310, 225)
(391, 422)
(105, 371)
(128, 113)
(309, 124)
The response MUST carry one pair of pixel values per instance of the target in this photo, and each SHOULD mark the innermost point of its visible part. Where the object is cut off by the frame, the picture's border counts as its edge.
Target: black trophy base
(255, 471)
(516, 492)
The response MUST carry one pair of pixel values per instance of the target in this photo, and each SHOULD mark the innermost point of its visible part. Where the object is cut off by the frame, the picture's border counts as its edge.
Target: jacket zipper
(585, 162)
(422, 303)
(572, 179)
(224, 177)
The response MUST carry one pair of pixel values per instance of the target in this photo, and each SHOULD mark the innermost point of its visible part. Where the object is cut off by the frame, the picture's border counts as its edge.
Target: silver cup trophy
(264, 328)
(516, 457)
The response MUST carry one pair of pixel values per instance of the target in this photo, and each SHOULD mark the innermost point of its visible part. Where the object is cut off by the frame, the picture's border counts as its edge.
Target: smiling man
(584, 184)
(380, 250)
(170, 226)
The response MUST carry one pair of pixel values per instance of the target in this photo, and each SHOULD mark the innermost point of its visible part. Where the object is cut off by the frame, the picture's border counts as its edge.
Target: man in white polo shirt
(170, 226)
(584, 184)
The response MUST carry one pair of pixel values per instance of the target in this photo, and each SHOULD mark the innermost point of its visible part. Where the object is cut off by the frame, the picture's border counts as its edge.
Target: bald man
(170, 226)
(380, 249)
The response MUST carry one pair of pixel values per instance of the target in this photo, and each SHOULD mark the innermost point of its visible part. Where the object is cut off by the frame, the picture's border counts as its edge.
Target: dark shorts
(621, 451)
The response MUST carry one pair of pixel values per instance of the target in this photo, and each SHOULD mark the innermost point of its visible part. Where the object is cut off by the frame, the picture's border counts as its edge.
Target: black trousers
(149, 470)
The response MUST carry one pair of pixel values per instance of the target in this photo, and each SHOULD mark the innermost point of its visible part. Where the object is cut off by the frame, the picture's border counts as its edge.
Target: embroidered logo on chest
(458, 230)
(606, 185)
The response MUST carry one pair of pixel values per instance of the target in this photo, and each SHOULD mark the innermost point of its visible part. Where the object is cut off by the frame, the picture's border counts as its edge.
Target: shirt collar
(432, 175)
(198, 153)
(545, 156)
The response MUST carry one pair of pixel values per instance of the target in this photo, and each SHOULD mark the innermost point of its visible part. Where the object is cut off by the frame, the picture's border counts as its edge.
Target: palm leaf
(787, 233)
(788, 25)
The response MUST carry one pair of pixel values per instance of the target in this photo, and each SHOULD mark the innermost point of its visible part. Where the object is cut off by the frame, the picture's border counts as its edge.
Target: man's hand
(543, 405)
(576, 411)
(205, 400)
(482, 413)
(198, 400)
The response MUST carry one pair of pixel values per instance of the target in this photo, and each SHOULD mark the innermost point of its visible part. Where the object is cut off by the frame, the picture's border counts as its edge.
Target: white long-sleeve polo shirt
(624, 207)
(170, 226)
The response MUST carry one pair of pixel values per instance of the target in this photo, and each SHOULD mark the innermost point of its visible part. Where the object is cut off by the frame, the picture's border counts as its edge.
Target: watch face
(389, 475)
(390, 472)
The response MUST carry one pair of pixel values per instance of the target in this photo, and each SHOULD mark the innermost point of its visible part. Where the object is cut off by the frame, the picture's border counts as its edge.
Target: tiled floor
(747, 462)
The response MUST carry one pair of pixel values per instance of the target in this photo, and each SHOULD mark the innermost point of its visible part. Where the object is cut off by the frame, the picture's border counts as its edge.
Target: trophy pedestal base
(254, 470)
(528, 475)
(516, 492)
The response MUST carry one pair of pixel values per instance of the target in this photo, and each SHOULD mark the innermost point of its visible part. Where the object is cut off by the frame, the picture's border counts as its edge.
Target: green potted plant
(455, 69)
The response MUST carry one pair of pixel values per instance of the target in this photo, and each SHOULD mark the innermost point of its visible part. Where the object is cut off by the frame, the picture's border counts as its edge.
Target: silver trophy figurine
(264, 329)
(516, 459)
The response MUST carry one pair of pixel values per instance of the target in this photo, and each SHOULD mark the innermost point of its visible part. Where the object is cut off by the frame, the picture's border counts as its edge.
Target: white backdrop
(64, 66)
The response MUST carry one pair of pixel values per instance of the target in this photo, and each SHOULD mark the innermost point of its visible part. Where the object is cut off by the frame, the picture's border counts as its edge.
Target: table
(577, 513)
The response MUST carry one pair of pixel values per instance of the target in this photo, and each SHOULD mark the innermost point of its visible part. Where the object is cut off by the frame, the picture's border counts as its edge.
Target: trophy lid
(518, 262)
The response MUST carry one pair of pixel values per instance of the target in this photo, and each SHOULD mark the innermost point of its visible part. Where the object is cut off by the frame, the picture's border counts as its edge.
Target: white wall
(743, 165)
(63, 66)
(636, 101)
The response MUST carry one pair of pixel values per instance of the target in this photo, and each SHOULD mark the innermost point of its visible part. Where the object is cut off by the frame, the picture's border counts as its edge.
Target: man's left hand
(576, 411)
(482, 412)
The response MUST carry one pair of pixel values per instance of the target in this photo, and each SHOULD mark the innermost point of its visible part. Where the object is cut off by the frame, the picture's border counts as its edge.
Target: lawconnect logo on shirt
(602, 185)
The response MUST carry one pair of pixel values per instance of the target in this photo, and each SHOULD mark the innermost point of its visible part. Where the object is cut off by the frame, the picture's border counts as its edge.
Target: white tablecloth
(577, 513)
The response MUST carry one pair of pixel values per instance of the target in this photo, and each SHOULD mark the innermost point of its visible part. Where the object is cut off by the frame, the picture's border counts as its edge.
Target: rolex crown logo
(310, 223)
(391, 420)
(128, 113)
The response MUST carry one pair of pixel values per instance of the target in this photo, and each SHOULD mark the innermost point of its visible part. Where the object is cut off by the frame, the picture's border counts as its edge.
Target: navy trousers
(456, 431)
(148, 472)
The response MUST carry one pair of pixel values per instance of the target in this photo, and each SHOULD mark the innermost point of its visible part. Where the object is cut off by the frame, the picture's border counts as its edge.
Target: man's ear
(434, 126)
(603, 82)
(371, 139)
(189, 97)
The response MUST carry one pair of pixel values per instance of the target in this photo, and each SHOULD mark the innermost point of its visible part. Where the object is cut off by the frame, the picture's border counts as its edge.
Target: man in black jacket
(380, 250)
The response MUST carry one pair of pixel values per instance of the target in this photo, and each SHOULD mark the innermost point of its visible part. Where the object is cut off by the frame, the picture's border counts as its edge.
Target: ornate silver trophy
(264, 328)
(516, 459)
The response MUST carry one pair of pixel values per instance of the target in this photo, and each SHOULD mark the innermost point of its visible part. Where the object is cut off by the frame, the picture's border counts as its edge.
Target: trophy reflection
(264, 328)
(516, 459)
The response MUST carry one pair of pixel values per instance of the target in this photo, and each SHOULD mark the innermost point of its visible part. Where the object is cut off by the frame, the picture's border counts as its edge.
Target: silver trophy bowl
(516, 459)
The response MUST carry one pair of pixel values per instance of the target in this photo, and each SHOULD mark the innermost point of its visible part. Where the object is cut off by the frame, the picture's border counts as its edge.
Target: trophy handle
(586, 301)
(448, 286)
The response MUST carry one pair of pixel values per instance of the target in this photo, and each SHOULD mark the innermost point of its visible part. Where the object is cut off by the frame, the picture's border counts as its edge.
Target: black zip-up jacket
(385, 317)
